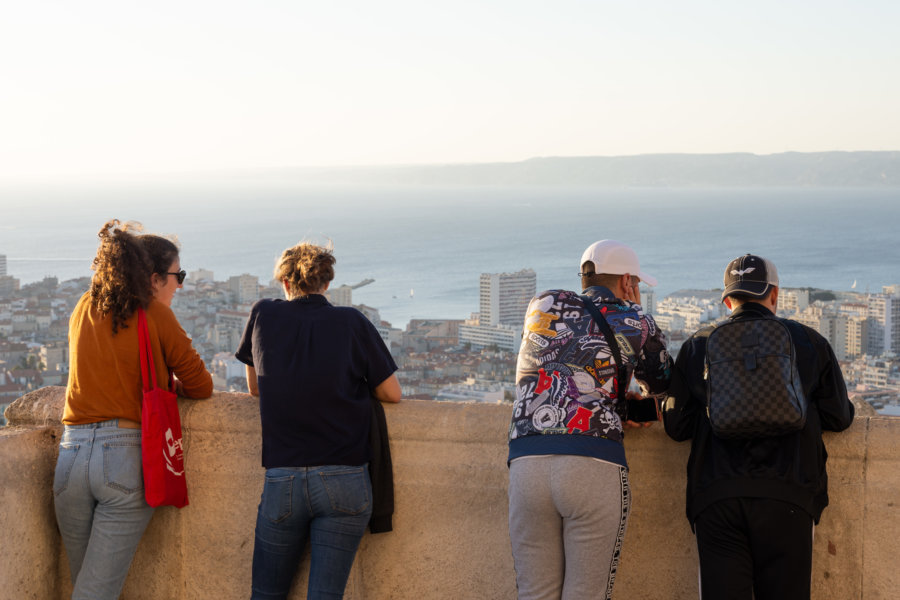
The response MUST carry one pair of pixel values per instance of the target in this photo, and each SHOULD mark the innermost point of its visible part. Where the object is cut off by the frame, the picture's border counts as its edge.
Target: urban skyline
(443, 359)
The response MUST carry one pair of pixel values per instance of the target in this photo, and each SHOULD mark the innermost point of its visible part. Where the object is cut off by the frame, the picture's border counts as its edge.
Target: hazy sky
(129, 87)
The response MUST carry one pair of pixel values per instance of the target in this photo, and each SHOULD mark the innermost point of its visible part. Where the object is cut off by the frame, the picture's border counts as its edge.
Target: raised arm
(388, 390)
(193, 380)
(830, 393)
(683, 405)
(251, 381)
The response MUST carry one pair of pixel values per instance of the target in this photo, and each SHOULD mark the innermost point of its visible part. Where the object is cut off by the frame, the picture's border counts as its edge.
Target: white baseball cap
(614, 258)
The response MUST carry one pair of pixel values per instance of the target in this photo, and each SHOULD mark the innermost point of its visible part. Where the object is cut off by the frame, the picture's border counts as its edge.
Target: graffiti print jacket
(567, 397)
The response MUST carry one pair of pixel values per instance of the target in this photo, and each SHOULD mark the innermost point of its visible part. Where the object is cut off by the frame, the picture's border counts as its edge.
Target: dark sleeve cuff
(381, 524)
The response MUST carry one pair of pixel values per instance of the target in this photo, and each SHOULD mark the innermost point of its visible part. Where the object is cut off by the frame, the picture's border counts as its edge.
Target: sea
(425, 246)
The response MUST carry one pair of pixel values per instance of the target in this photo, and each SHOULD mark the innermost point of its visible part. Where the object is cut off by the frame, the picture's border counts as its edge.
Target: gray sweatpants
(567, 518)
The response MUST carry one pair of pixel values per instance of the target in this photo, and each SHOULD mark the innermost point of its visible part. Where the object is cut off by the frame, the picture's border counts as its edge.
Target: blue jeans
(99, 499)
(328, 505)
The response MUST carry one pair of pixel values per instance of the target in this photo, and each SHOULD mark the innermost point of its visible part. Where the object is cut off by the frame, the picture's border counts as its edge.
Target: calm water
(437, 240)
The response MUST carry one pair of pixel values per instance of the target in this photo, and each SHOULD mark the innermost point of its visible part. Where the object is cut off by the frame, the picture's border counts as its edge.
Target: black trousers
(754, 548)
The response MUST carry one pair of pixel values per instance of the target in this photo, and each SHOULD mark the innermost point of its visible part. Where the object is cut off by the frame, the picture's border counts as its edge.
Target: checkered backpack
(752, 385)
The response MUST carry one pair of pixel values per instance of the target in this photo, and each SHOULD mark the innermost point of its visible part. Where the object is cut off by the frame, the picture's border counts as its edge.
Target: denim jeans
(328, 505)
(99, 499)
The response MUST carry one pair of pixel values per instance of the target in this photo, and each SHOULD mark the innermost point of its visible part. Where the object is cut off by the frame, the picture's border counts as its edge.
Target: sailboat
(411, 292)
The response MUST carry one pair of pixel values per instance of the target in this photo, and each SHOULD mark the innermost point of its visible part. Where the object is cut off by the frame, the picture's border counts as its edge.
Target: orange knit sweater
(104, 369)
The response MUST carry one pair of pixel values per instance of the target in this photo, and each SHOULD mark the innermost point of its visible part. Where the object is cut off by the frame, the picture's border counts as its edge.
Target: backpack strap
(606, 330)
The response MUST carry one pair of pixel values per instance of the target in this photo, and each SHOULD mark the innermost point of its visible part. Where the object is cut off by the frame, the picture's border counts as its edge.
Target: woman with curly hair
(316, 368)
(98, 485)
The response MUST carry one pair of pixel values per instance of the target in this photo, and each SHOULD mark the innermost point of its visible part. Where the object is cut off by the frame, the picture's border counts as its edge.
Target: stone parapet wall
(450, 526)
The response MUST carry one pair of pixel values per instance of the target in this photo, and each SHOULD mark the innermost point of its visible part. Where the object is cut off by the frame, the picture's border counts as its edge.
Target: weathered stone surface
(880, 512)
(450, 536)
(42, 407)
(29, 540)
(863, 408)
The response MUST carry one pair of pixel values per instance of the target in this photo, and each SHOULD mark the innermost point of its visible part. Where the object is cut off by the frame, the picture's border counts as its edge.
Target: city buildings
(341, 295)
(505, 296)
(792, 301)
(201, 275)
(244, 288)
(7, 284)
(648, 300)
(504, 337)
(467, 359)
(687, 312)
(503, 300)
(884, 310)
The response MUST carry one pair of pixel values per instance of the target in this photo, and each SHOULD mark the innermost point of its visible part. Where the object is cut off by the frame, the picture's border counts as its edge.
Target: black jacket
(381, 472)
(789, 467)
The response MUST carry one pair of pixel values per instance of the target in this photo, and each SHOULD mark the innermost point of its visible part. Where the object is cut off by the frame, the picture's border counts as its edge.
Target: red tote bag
(161, 450)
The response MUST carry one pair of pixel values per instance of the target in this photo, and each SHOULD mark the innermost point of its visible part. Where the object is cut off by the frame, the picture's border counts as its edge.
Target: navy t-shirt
(316, 365)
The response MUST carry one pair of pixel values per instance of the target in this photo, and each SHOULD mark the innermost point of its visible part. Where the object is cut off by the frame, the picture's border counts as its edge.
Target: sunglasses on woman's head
(180, 275)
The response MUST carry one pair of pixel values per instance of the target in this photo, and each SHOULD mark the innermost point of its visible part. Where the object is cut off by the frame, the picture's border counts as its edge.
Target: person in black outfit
(753, 503)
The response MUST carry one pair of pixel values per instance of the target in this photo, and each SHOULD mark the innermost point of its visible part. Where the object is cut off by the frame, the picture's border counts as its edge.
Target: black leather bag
(753, 388)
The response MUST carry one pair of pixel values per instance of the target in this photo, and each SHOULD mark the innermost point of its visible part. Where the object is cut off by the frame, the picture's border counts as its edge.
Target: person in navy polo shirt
(315, 368)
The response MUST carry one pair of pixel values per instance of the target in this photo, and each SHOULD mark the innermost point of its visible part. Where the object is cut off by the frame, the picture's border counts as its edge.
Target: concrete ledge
(450, 535)
(29, 539)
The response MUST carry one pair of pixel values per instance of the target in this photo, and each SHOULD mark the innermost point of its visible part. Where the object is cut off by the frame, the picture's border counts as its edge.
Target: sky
(121, 88)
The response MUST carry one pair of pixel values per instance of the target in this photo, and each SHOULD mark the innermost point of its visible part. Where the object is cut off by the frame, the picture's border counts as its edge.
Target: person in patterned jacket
(568, 479)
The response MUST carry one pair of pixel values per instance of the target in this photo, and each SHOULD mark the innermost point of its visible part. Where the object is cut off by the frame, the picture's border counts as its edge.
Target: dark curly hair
(306, 267)
(161, 251)
(122, 268)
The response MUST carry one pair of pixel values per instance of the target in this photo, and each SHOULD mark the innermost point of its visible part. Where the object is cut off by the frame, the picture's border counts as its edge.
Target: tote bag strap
(149, 382)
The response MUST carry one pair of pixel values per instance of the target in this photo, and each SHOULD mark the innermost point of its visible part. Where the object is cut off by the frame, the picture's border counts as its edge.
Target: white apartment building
(857, 336)
(873, 374)
(870, 327)
(340, 296)
(884, 310)
(474, 390)
(2, 265)
(55, 356)
(833, 326)
(226, 334)
(226, 366)
(391, 336)
(8, 285)
(244, 288)
(893, 291)
(201, 274)
(504, 297)
(670, 322)
(648, 301)
(876, 374)
(505, 337)
(692, 311)
(792, 301)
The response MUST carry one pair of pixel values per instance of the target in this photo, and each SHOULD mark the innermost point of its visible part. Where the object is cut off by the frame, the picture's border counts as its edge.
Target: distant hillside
(791, 169)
